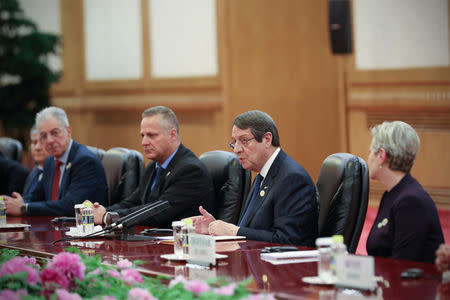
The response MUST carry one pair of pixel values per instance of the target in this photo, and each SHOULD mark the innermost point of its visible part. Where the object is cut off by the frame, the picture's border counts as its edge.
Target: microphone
(120, 220)
(139, 215)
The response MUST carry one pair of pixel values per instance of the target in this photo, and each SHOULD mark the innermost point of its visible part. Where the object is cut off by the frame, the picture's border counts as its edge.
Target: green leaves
(7, 254)
(24, 53)
(109, 280)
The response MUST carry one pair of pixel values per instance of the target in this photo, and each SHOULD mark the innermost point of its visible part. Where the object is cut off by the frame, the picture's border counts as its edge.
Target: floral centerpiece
(71, 275)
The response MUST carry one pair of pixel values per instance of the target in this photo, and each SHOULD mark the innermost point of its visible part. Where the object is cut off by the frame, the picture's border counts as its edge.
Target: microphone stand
(127, 223)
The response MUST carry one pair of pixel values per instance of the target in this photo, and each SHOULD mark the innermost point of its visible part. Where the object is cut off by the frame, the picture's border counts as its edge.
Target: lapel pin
(262, 193)
(383, 223)
(168, 173)
(68, 166)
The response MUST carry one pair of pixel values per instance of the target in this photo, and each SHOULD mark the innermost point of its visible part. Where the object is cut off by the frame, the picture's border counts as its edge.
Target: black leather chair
(11, 148)
(231, 183)
(343, 193)
(97, 151)
(123, 169)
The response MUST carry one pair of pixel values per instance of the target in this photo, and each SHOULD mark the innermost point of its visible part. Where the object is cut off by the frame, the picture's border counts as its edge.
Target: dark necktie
(34, 181)
(55, 184)
(158, 172)
(253, 199)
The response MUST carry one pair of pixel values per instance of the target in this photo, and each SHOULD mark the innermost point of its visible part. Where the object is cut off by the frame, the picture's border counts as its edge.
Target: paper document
(291, 254)
(218, 238)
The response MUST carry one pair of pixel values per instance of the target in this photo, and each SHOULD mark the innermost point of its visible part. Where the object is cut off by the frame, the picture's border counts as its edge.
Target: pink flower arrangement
(51, 277)
(124, 263)
(13, 295)
(71, 276)
(226, 290)
(69, 265)
(20, 264)
(176, 280)
(62, 271)
(63, 294)
(131, 276)
(197, 287)
(113, 273)
(140, 294)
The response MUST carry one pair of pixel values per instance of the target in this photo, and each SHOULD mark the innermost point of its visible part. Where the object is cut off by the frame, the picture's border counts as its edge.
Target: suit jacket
(185, 183)
(31, 181)
(83, 179)
(12, 176)
(287, 211)
(407, 225)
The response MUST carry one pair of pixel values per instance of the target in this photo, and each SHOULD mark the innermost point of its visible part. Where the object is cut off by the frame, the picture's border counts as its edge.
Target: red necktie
(55, 184)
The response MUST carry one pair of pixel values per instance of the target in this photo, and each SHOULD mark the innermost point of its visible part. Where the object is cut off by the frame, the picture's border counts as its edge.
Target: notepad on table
(290, 257)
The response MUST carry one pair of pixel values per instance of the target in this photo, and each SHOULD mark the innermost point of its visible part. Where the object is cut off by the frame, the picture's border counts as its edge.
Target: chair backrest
(123, 170)
(11, 148)
(97, 151)
(231, 183)
(343, 193)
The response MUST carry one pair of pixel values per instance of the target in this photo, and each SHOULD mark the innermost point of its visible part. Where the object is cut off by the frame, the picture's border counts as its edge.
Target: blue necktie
(158, 172)
(256, 188)
(34, 181)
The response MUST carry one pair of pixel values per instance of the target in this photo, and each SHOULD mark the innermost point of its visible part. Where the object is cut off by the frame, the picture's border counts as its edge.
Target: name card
(355, 271)
(202, 249)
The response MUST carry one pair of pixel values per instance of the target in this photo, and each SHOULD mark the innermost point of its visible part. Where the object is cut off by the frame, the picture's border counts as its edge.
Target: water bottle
(177, 227)
(2, 212)
(88, 219)
(337, 248)
(187, 229)
(323, 267)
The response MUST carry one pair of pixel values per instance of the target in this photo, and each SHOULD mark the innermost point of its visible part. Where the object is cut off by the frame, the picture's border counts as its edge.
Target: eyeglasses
(55, 133)
(244, 142)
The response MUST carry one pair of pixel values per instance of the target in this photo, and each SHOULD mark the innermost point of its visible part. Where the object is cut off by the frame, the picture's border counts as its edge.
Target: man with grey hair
(39, 155)
(175, 174)
(281, 206)
(71, 174)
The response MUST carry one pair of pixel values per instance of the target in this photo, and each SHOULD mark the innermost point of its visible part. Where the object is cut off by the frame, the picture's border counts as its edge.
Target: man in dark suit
(39, 155)
(281, 206)
(175, 174)
(12, 175)
(71, 174)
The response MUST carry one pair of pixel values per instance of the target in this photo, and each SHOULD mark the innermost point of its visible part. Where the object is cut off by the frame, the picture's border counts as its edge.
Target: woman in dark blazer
(407, 225)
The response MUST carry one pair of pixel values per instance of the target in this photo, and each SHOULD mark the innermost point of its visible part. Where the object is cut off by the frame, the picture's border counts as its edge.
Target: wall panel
(277, 59)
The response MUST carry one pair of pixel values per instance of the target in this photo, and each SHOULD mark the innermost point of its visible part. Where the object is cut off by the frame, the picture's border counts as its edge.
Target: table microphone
(139, 215)
(120, 220)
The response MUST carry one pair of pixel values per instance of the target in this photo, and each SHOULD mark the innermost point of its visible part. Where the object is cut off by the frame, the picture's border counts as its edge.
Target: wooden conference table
(243, 261)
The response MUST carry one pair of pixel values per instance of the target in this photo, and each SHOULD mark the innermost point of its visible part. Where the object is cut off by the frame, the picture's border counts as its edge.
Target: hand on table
(14, 204)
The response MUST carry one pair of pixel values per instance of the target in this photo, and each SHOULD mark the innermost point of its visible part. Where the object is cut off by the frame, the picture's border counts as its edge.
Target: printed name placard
(202, 249)
(355, 271)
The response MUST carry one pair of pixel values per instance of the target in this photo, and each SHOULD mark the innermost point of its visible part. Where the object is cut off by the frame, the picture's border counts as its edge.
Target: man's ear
(267, 138)
(173, 134)
(69, 130)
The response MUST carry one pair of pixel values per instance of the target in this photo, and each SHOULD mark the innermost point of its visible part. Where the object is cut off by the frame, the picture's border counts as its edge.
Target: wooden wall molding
(410, 100)
(440, 196)
(419, 120)
(183, 103)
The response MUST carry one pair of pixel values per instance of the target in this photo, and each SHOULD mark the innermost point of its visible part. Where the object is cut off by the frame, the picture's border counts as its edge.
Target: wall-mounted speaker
(340, 26)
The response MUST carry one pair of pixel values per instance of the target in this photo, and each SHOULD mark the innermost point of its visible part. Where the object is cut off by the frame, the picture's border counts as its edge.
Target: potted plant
(25, 75)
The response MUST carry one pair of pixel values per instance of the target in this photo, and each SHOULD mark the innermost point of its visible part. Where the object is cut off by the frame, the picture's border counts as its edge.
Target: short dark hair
(169, 118)
(259, 123)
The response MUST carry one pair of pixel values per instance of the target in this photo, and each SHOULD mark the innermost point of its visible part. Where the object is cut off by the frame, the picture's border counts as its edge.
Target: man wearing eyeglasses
(71, 173)
(281, 206)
